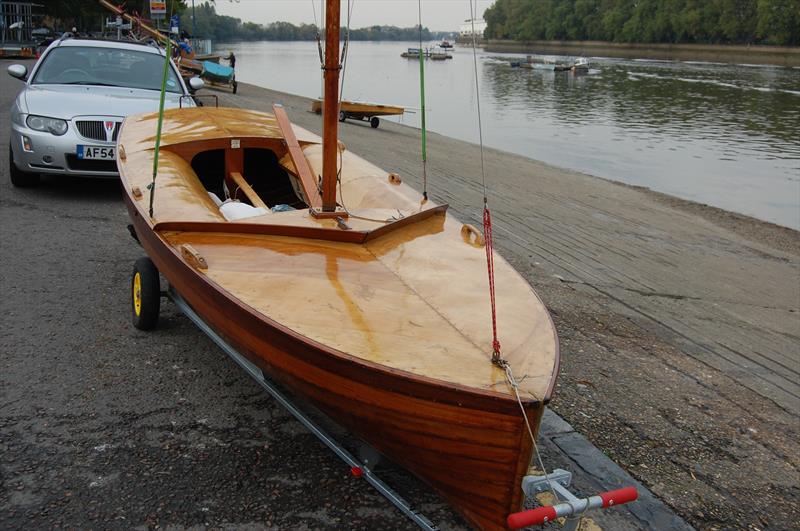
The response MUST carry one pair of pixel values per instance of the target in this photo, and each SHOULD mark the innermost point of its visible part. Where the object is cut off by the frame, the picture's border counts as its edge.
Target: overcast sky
(437, 15)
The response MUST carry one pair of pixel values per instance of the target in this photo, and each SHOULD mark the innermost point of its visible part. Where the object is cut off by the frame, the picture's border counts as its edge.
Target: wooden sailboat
(358, 296)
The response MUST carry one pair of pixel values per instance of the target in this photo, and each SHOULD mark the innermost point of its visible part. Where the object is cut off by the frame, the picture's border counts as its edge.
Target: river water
(725, 135)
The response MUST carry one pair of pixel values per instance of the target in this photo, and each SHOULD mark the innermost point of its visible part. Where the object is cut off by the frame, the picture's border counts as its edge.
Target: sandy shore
(679, 322)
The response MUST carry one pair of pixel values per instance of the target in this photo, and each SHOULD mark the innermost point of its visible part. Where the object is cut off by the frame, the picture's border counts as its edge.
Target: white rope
(515, 386)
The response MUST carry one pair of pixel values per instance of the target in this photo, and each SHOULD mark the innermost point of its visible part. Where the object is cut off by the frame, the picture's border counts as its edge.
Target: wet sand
(679, 322)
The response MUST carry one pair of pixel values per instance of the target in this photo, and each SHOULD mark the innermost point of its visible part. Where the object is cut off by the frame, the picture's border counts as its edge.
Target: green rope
(160, 121)
(422, 106)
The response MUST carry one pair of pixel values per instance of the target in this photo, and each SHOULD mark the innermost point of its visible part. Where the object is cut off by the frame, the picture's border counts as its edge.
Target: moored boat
(580, 65)
(436, 54)
(414, 53)
(352, 291)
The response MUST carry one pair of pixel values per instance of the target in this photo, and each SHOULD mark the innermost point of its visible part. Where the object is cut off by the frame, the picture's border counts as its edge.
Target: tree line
(87, 14)
(210, 24)
(647, 21)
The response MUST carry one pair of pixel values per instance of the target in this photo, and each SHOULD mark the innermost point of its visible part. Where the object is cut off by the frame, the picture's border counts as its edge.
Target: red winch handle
(549, 513)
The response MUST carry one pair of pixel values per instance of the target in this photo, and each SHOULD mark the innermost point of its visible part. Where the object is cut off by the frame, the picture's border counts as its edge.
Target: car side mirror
(18, 71)
(195, 83)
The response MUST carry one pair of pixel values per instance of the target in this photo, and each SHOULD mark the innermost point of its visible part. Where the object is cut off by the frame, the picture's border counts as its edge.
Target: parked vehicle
(66, 119)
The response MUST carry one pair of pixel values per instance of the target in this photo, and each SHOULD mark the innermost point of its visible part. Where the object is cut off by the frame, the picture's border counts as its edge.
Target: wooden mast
(330, 110)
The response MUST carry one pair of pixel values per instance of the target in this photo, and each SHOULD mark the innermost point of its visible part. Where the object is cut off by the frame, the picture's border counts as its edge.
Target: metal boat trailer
(370, 117)
(358, 468)
(570, 506)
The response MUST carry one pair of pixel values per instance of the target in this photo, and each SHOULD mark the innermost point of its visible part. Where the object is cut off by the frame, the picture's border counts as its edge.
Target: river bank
(743, 54)
(671, 316)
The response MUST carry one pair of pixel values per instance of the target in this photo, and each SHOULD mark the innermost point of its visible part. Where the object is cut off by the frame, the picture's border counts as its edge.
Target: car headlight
(43, 123)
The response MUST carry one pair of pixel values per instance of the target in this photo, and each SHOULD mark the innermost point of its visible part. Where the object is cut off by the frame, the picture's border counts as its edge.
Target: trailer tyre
(375, 122)
(145, 294)
(342, 116)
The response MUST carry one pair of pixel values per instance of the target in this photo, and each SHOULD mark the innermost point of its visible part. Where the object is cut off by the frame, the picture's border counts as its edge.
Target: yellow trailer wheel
(145, 294)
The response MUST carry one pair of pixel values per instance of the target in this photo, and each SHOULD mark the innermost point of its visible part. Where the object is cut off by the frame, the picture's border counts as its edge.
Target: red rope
(487, 234)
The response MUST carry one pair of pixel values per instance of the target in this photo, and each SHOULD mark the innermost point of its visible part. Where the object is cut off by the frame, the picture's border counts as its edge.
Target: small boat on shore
(358, 314)
(347, 287)
(358, 110)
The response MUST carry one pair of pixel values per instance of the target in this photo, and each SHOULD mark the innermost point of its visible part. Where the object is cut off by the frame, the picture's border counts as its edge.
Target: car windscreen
(77, 65)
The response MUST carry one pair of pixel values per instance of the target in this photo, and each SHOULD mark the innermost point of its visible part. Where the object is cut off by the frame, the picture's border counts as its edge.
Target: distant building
(465, 30)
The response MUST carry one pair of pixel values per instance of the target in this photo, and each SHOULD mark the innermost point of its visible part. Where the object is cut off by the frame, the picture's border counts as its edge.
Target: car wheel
(19, 178)
(342, 116)
(145, 294)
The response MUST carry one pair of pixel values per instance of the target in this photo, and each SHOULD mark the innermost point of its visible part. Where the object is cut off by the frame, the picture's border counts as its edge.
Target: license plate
(96, 152)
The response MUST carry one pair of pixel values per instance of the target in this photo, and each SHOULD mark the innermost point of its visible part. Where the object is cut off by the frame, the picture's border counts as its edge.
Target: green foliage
(666, 21)
(86, 15)
(222, 28)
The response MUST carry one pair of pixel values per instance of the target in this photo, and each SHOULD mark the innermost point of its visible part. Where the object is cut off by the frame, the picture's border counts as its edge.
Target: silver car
(67, 117)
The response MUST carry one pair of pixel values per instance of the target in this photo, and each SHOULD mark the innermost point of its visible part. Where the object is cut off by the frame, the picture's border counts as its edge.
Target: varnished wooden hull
(381, 320)
(470, 446)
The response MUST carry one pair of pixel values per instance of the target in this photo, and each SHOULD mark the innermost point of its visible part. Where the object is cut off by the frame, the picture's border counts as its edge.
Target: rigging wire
(487, 224)
(350, 5)
(472, 13)
(319, 37)
(422, 106)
